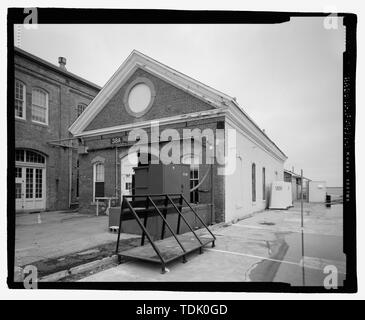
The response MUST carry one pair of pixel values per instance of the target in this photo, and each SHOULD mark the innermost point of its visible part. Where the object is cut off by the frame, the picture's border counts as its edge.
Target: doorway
(127, 164)
(30, 181)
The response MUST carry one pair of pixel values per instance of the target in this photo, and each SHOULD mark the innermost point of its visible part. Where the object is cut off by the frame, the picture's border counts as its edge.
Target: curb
(54, 276)
(79, 269)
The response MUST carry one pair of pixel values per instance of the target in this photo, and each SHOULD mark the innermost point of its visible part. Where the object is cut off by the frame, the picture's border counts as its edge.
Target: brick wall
(102, 147)
(64, 94)
(169, 101)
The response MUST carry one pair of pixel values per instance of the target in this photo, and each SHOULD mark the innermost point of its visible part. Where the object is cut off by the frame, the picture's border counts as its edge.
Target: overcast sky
(287, 77)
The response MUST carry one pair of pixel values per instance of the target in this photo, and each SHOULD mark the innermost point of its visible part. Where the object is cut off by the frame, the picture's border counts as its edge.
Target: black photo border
(151, 16)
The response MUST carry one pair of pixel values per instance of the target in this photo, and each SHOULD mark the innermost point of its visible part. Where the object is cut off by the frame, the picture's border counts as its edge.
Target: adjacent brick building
(48, 99)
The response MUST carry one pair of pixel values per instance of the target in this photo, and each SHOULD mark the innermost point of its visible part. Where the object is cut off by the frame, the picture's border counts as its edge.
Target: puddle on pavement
(299, 259)
(266, 269)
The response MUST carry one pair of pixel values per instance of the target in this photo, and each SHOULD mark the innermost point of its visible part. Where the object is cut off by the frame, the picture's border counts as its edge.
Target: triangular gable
(166, 101)
(219, 101)
(137, 60)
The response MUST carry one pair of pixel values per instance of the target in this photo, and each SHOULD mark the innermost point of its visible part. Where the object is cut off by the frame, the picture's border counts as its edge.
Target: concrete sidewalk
(53, 234)
(265, 247)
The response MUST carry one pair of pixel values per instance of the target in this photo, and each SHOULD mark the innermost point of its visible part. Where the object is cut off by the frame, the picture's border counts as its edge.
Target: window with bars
(253, 182)
(81, 108)
(19, 103)
(39, 106)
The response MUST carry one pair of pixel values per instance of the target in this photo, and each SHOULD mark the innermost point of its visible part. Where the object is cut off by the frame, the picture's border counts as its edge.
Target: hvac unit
(160, 179)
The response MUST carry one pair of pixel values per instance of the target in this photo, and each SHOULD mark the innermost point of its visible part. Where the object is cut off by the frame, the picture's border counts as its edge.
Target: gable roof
(137, 60)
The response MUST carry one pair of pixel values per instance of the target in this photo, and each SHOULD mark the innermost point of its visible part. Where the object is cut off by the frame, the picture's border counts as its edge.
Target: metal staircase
(163, 250)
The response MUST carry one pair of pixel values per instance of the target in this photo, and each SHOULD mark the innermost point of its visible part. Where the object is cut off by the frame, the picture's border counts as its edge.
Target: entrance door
(30, 181)
(127, 172)
(34, 189)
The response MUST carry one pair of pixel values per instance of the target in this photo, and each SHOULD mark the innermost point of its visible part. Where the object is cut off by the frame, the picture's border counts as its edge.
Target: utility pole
(301, 211)
(301, 195)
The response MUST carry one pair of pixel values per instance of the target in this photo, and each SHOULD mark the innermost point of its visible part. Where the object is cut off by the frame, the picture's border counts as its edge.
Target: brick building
(144, 93)
(47, 100)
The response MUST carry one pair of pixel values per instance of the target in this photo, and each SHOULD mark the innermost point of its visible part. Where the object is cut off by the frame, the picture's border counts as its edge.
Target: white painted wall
(238, 190)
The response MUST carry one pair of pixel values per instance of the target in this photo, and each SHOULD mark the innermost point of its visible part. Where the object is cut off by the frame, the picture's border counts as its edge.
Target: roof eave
(55, 68)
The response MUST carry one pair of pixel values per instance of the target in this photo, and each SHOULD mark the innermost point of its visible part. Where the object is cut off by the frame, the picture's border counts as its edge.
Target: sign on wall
(119, 140)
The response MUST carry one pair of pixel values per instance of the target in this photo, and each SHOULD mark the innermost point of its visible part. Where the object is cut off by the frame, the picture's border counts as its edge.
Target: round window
(139, 98)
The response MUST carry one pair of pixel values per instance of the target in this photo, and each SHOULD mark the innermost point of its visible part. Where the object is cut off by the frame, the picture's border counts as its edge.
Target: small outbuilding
(296, 185)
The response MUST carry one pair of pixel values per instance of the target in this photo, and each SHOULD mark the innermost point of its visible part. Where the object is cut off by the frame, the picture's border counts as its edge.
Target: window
(18, 172)
(127, 165)
(194, 181)
(38, 183)
(193, 161)
(19, 100)
(253, 182)
(263, 184)
(29, 183)
(34, 157)
(18, 191)
(22, 155)
(98, 180)
(139, 96)
(81, 108)
(39, 106)
(19, 155)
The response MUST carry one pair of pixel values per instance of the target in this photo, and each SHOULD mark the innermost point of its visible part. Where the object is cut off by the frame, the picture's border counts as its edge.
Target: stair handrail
(167, 224)
(200, 219)
(182, 216)
(143, 228)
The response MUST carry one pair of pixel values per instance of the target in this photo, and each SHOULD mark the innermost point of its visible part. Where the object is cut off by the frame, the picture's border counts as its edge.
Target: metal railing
(168, 203)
